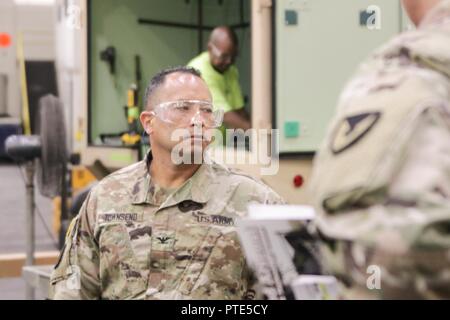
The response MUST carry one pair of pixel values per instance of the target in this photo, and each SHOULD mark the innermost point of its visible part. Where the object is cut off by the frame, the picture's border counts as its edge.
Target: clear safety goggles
(183, 113)
(229, 58)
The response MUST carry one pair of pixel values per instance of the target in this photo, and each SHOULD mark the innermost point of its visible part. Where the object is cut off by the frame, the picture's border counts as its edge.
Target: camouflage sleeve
(398, 249)
(76, 274)
(266, 195)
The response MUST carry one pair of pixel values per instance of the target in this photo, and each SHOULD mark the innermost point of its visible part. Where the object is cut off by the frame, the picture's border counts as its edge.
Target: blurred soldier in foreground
(160, 229)
(381, 180)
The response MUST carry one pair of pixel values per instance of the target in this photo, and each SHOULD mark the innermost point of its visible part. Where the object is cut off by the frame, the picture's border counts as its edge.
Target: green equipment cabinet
(318, 44)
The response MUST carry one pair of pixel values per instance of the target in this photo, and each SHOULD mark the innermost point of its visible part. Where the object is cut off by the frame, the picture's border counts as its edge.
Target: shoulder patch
(352, 129)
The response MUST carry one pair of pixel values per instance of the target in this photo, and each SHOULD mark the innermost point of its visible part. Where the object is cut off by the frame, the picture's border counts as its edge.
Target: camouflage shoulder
(113, 188)
(234, 173)
(132, 170)
(246, 181)
(123, 176)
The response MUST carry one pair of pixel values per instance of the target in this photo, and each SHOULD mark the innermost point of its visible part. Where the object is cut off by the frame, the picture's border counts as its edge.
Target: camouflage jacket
(381, 179)
(133, 240)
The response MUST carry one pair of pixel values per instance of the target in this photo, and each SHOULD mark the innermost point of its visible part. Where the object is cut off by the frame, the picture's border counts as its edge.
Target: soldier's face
(166, 136)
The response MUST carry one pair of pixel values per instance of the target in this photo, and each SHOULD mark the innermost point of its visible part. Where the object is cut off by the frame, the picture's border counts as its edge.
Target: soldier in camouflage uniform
(381, 179)
(140, 235)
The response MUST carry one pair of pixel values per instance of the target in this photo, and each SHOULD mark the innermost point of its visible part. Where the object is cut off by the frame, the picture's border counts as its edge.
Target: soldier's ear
(147, 118)
(150, 126)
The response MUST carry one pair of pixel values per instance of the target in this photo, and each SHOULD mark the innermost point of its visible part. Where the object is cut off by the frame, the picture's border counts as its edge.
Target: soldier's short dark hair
(159, 78)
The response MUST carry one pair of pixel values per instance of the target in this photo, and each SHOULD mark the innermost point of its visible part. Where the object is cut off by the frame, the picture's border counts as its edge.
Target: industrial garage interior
(325, 124)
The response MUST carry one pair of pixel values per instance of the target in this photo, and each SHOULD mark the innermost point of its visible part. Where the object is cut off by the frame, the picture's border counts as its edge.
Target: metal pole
(187, 25)
(241, 11)
(200, 26)
(64, 211)
(171, 24)
(29, 224)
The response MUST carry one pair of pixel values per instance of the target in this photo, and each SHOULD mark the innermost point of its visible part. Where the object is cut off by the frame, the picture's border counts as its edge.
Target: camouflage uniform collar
(196, 188)
(437, 15)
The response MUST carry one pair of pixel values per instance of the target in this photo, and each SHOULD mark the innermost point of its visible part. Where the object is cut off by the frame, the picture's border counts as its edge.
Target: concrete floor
(14, 289)
(12, 224)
